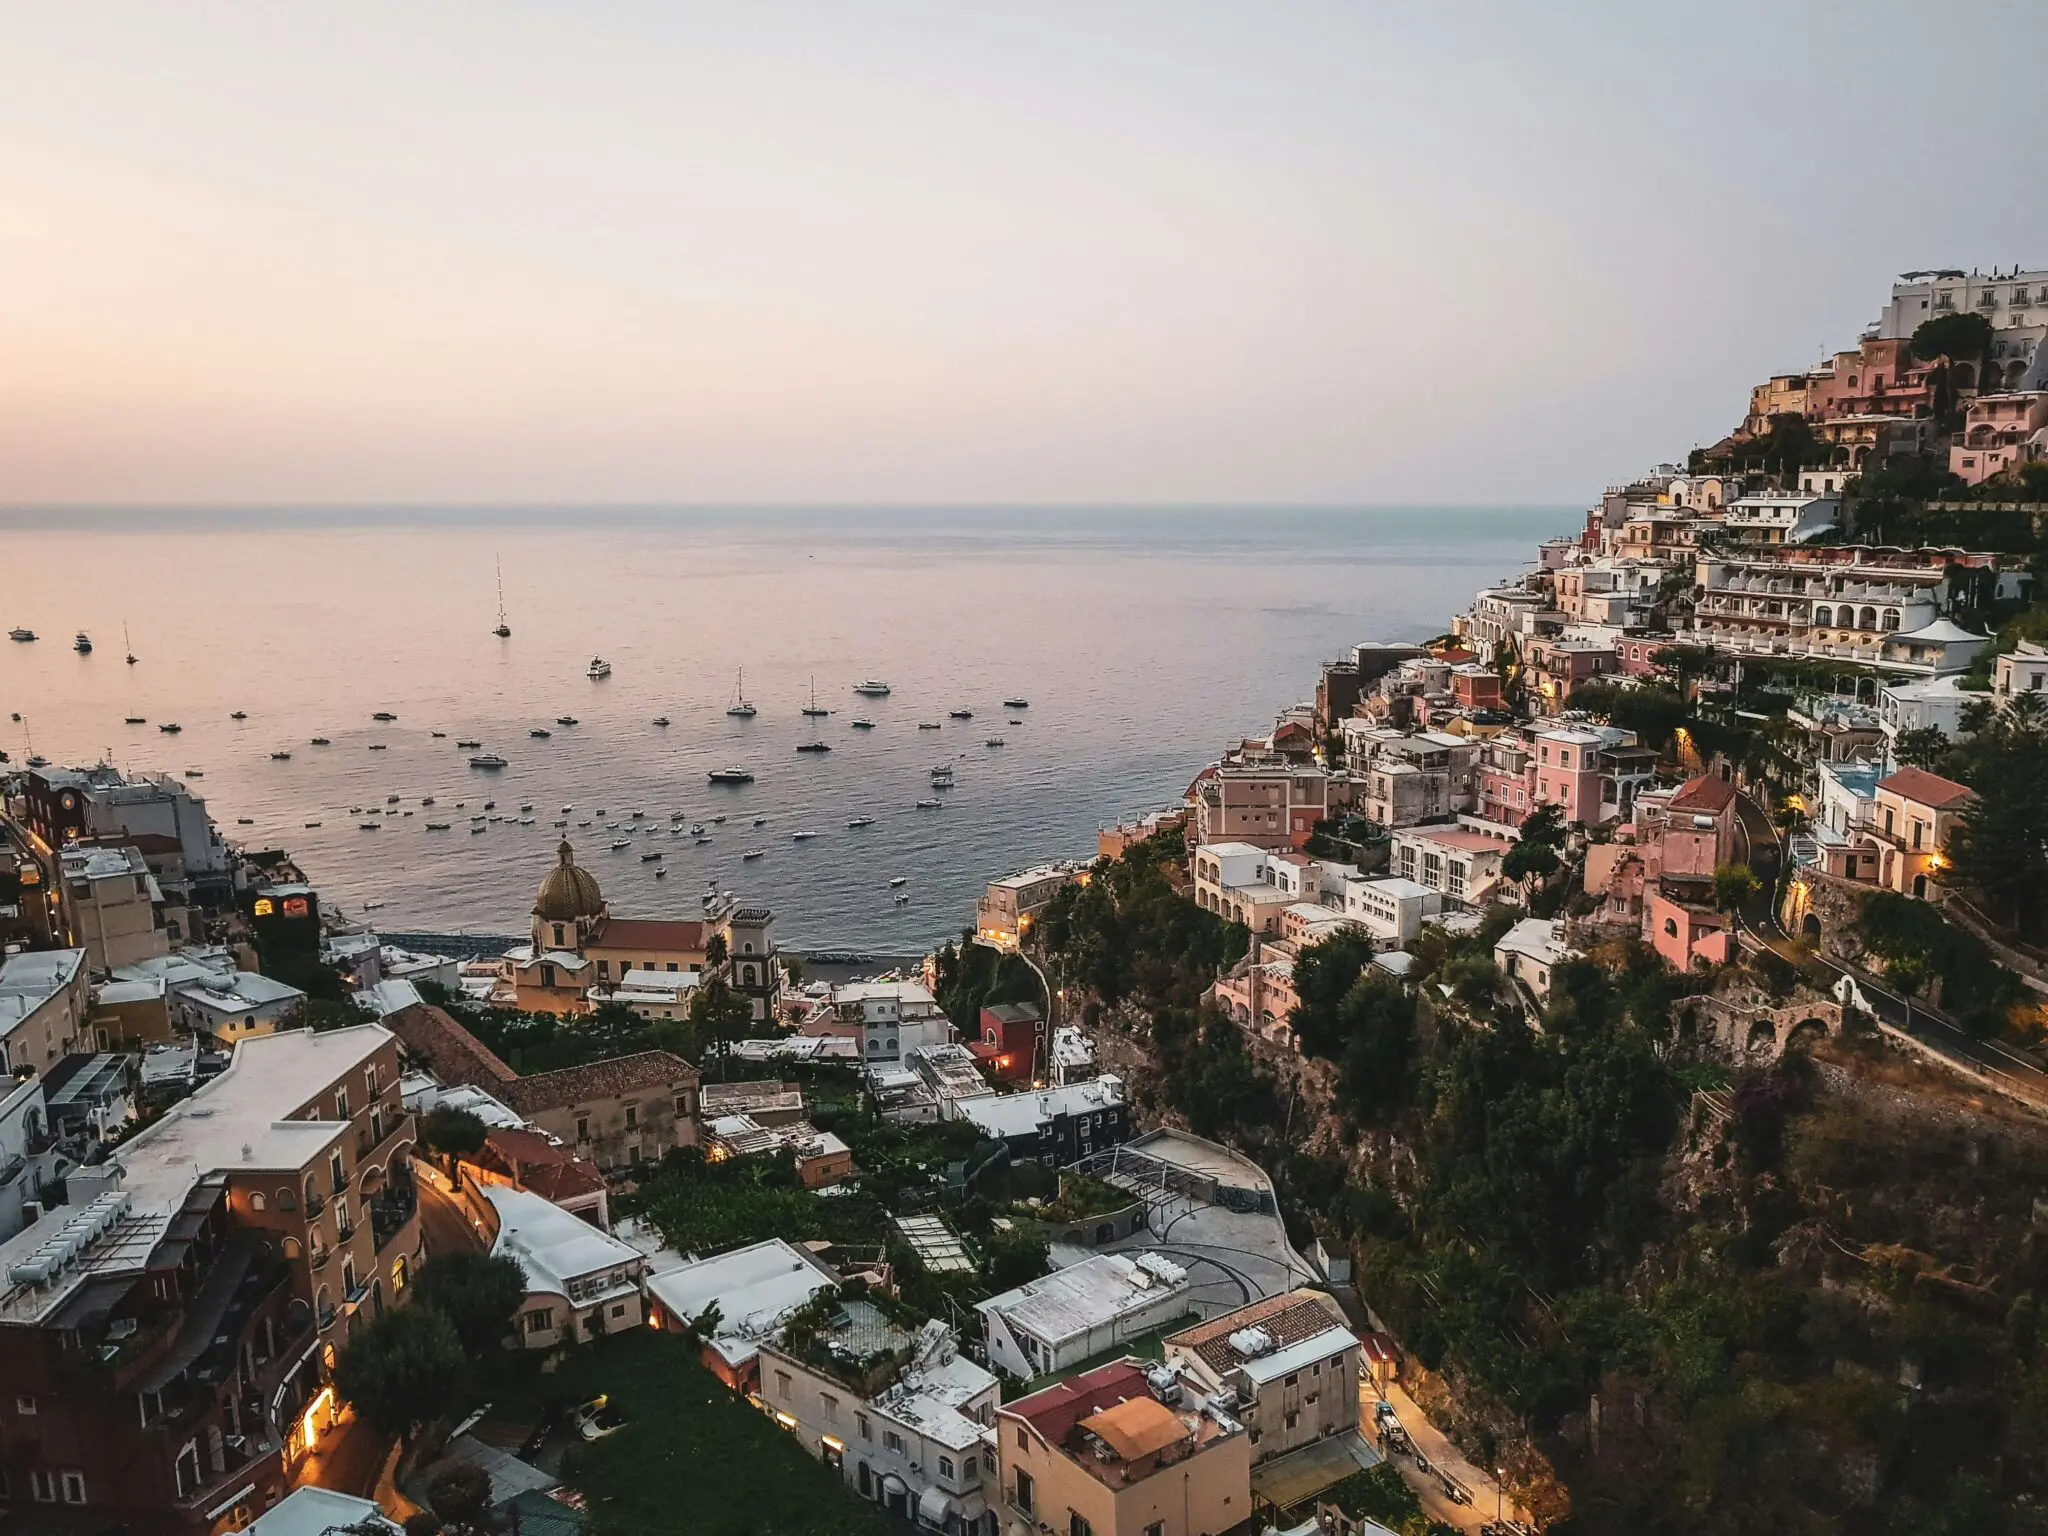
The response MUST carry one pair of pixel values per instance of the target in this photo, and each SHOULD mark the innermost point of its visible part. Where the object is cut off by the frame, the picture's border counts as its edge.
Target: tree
(1999, 846)
(453, 1132)
(1013, 1258)
(719, 1015)
(408, 1369)
(1324, 974)
(715, 952)
(1962, 337)
(1922, 748)
(461, 1494)
(1733, 885)
(477, 1293)
(1535, 856)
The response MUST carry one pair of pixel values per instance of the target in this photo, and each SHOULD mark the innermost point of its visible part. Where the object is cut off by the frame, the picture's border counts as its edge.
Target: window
(255, 1200)
(860, 1421)
(540, 1320)
(682, 1103)
(618, 1309)
(782, 1384)
(1077, 1524)
(399, 1273)
(945, 1466)
(1156, 1528)
(1023, 1496)
(341, 1103)
(583, 1127)
(25, 1404)
(1023, 1441)
(558, 945)
(604, 968)
(632, 1116)
(891, 1441)
(338, 1172)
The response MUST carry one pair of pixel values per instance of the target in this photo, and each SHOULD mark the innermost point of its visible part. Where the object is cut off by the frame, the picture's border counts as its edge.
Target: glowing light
(309, 1425)
(785, 1421)
(832, 1444)
(265, 907)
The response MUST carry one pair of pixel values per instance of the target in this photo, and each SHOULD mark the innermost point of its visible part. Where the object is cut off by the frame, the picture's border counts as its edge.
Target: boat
(860, 821)
(814, 708)
(697, 830)
(638, 816)
(239, 714)
(311, 824)
(960, 714)
(280, 757)
(524, 821)
(426, 799)
(368, 826)
(1015, 721)
(928, 725)
(438, 826)
(391, 799)
(730, 776)
(378, 746)
(651, 858)
(490, 805)
(801, 837)
(136, 720)
(903, 898)
(170, 728)
(814, 746)
(37, 760)
(739, 708)
(487, 760)
(21, 634)
(320, 741)
(384, 714)
(753, 853)
(942, 775)
(863, 725)
(873, 688)
(504, 630)
(994, 741)
(621, 842)
(661, 719)
(476, 827)
(525, 807)
(929, 805)
(195, 773)
(82, 644)
(598, 668)
(899, 880)
(705, 838)
(718, 821)
(438, 735)
(565, 720)
(661, 872)
(540, 733)
(1016, 703)
(127, 645)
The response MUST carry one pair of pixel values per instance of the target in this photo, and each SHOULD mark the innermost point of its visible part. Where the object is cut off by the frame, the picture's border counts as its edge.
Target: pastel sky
(866, 251)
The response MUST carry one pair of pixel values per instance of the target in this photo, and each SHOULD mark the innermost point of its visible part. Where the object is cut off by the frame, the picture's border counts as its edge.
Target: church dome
(569, 892)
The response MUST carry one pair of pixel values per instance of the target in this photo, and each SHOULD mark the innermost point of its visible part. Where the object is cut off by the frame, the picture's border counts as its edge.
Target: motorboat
(565, 810)
(994, 741)
(438, 826)
(943, 774)
(319, 741)
(37, 760)
(873, 688)
(490, 805)
(1015, 721)
(960, 714)
(195, 773)
(476, 827)
(82, 643)
(1016, 703)
(739, 708)
(368, 826)
(651, 858)
(621, 842)
(280, 757)
(730, 776)
(929, 805)
(426, 799)
(929, 725)
(860, 821)
(136, 720)
(814, 746)
(563, 822)
(801, 837)
(21, 634)
(697, 830)
(391, 799)
(240, 714)
(705, 838)
(760, 821)
(814, 708)
(438, 735)
(637, 816)
(487, 760)
(598, 668)
(661, 871)
(524, 821)
(903, 898)
(312, 824)
(540, 733)
(863, 725)
(382, 714)
(899, 880)
(661, 719)
(503, 630)
(753, 853)
(525, 807)
(467, 746)
(378, 746)
(585, 822)
(718, 821)
(170, 728)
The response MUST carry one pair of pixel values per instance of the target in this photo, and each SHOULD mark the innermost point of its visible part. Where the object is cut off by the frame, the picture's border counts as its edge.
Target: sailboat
(740, 709)
(127, 644)
(504, 630)
(814, 708)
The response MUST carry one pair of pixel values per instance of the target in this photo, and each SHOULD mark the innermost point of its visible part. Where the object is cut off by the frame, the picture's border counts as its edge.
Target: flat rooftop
(1069, 1302)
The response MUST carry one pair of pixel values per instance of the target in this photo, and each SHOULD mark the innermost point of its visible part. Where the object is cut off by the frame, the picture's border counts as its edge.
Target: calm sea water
(1145, 640)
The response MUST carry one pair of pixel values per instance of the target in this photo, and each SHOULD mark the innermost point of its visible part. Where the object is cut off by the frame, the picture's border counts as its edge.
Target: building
(157, 813)
(1781, 518)
(2024, 669)
(209, 1267)
(906, 1419)
(1114, 1452)
(1010, 906)
(754, 1289)
(1054, 1126)
(433, 1036)
(619, 1112)
(45, 1001)
(821, 1158)
(889, 1018)
(117, 909)
(1270, 806)
(1930, 704)
(1242, 883)
(1460, 864)
(1687, 834)
(1391, 910)
(650, 994)
(1530, 952)
(1289, 1363)
(1053, 1323)
(2016, 304)
(1554, 669)
(581, 1281)
(953, 1073)
(1914, 814)
(314, 1511)
(1011, 1041)
(542, 1166)
(2000, 433)
(769, 1101)
(28, 1153)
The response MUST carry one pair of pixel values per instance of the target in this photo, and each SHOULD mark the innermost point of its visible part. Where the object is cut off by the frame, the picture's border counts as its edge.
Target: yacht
(128, 645)
(37, 760)
(801, 837)
(540, 733)
(1016, 703)
(753, 853)
(468, 746)
(899, 880)
(651, 858)
(504, 630)
(814, 708)
(487, 760)
(170, 728)
(943, 774)
(240, 714)
(873, 688)
(383, 714)
(82, 644)
(739, 708)
(730, 776)
(960, 714)
(598, 668)
(860, 821)
(319, 741)
(929, 805)
(661, 719)
(863, 725)
(621, 842)
(994, 741)
(928, 725)
(565, 720)
(136, 720)
(814, 746)
(280, 757)
(21, 634)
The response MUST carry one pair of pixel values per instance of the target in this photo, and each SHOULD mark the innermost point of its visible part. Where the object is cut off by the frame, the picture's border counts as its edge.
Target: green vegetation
(408, 1369)
(1379, 1494)
(452, 1132)
(705, 1207)
(1919, 947)
(477, 1293)
(972, 976)
(1535, 856)
(1734, 884)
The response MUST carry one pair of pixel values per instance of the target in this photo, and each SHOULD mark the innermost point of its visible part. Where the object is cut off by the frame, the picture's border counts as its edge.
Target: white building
(1530, 952)
(650, 994)
(894, 1017)
(27, 1158)
(754, 1289)
(1054, 1126)
(422, 1095)
(2024, 669)
(117, 909)
(1073, 1055)
(580, 1280)
(1054, 1323)
(1391, 910)
(1290, 1360)
(311, 1511)
(922, 1446)
(44, 997)
(1933, 703)
(1777, 518)
(2016, 304)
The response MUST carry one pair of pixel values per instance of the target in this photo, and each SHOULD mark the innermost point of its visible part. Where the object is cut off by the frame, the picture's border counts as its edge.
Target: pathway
(1479, 1487)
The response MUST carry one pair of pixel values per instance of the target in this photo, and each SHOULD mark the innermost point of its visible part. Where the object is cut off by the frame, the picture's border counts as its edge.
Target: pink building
(2001, 432)
(1556, 668)
(1684, 839)
(1503, 780)
(1567, 773)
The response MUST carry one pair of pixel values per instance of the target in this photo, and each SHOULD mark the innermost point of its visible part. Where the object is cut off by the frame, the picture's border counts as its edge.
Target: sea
(1145, 641)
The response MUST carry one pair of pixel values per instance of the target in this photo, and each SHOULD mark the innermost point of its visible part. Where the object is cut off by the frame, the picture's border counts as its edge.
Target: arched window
(290, 1248)
(1867, 619)
(1891, 618)
(255, 1199)
(1671, 927)
(1824, 617)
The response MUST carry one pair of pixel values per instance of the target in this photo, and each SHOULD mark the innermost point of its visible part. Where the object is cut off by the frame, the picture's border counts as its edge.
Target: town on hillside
(1581, 1070)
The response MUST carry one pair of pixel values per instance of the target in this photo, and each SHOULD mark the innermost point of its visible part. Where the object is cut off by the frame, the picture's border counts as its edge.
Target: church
(577, 946)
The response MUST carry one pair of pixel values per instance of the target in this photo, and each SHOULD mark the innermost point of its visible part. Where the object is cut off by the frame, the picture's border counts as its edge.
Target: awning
(932, 1508)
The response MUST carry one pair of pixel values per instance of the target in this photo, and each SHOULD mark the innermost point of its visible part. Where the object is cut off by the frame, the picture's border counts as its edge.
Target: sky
(886, 251)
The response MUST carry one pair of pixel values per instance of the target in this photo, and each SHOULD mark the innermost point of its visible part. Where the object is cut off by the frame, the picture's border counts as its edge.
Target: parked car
(598, 1418)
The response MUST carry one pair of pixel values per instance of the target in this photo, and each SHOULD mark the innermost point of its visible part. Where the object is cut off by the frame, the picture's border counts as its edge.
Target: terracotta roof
(1930, 789)
(451, 1052)
(598, 1080)
(1705, 793)
(1136, 1427)
(543, 1166)
(1285, 1319)
(1055, 1411)
(649, 933)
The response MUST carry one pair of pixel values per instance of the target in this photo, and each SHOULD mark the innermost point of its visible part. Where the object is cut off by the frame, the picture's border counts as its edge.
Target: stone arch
(1762, 1040)
(1809, 926)
(1803, 1035)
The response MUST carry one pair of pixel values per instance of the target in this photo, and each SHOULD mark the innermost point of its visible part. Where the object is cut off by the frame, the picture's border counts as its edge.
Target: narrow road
(444, 1224)
(1479, 1487)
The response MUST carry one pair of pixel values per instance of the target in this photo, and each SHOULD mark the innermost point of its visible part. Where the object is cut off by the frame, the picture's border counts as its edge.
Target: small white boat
(928, 725)
(801, 837)
(1016, 703)
(650, 858)
(598, 668)
(621, 842)
(753, 853)
(760, 821)
(872, 688)
(661, 719)
(384, 715)
(863, 725)
(718, 821)
(960, 714)
(730, 776)
(487, 760)
(661, 871)
(929, 805)
(860, 821)
(437, 826)
(21, 634)
(903, 898)
(899, 880)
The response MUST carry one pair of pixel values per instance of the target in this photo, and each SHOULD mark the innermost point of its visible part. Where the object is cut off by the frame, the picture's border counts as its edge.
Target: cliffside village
(212, 1180)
